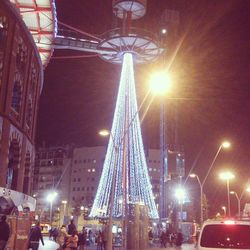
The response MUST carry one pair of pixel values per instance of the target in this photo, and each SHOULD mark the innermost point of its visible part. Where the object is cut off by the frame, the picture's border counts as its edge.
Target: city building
(21, 81)
(74, 172)
(51, 173)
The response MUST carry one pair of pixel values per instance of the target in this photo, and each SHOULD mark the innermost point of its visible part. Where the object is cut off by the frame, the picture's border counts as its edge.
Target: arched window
(3, 39)
(21, 55)
(17, 93)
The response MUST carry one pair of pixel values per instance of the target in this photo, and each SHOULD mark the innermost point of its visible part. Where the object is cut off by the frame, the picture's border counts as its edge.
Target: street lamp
(223, 145)
(227, 176)
(50, 198)
(201, 195)
(105, 133)
(224, 208)
(239, 198)
(180, 194)
(160, 84)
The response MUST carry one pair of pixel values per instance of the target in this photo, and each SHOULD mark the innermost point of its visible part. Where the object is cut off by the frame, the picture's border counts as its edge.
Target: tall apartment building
(77, 172)
(52, 173)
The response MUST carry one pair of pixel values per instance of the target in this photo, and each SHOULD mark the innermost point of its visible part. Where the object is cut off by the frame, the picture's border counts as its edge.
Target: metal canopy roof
(40, 18)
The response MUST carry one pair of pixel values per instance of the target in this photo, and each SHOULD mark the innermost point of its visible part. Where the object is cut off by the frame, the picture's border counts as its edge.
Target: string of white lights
(125, 148)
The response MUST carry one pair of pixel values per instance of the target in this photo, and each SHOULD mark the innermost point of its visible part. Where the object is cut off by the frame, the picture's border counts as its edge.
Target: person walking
(71, 243)
(82, 238)
(71, 227)
(62, 237)
(4, 232)
(35, 236)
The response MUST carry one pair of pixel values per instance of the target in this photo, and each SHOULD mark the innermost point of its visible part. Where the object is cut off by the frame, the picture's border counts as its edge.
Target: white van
(224, 234)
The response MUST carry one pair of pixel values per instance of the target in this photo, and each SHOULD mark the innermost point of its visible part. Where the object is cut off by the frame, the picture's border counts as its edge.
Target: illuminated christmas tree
(125, 178)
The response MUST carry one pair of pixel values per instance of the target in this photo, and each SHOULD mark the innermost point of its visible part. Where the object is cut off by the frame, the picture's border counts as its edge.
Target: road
(51, 245)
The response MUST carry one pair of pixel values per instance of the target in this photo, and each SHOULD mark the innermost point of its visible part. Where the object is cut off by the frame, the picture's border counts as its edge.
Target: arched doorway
(13, 162)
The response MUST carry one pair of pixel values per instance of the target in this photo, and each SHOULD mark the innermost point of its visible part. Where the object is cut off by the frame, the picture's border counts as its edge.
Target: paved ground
(51, 245)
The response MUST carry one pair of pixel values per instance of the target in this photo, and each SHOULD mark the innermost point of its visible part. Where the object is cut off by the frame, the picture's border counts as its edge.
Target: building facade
(75, 175)
(21, 77)
(51, 173)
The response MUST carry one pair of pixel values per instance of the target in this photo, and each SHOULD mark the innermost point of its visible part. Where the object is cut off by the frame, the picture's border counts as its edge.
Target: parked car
(224, 234)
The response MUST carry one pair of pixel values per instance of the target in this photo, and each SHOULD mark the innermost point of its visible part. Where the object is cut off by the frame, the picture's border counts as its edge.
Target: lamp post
(104, 133)
(160, 84)
(239, 198)
(180, 194)
(224, 208)
(201, 195)
(227, 176)
(64, 202)
(50, 198)
(225, 144)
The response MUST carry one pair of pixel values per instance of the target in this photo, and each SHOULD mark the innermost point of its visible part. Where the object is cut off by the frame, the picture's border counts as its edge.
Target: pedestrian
(62, 237)
(90, 237)
(150, 237)
(82, 238)
(71, 243)
(71, 227)
(99, 240)
(35, 236)
(179, 239)
(105, 235)
(4, 232)
(55, 234)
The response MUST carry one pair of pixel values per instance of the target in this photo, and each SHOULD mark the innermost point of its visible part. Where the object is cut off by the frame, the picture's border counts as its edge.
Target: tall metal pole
(50, 214)
(228, 198)
(163, 162)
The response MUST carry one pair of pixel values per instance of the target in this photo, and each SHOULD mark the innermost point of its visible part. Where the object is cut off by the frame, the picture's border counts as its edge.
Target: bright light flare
(229, 222)
(159, 83)
(193, 175)
(51, 196)
(226, 144)
(180, 194)
(104, 132)
(227, 176)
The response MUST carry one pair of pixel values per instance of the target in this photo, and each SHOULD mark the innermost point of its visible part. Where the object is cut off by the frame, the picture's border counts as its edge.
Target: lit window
(94, 161)
(150, 169)
(93, 169)
(89, 170)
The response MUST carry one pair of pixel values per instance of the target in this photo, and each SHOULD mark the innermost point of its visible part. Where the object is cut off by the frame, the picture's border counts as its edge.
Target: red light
(229, 222)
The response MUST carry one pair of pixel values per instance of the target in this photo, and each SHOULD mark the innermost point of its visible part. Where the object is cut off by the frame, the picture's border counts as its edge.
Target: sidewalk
(51, 245)
(48, 244)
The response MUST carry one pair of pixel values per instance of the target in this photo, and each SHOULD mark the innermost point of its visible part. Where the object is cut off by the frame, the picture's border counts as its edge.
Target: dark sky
(211, 73)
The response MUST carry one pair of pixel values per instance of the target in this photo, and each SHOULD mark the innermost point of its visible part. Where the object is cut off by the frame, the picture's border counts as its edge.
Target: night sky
(211, 93)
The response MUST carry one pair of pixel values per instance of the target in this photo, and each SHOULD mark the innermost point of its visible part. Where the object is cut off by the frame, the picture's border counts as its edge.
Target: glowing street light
(227, 176)
(50, 198)
(180, 194)
(223, 145)
(159, 83)
(239, 198)
(224, 208)
(201, 195)
(105, 133)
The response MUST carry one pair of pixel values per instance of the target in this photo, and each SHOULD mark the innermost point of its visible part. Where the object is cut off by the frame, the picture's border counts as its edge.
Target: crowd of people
(167, 238)
(68, 238)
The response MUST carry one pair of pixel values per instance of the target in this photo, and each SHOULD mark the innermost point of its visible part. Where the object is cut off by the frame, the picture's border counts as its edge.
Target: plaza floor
(51, 245)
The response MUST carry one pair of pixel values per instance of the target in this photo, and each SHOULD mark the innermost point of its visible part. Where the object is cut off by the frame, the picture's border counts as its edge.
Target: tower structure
(125, 178)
